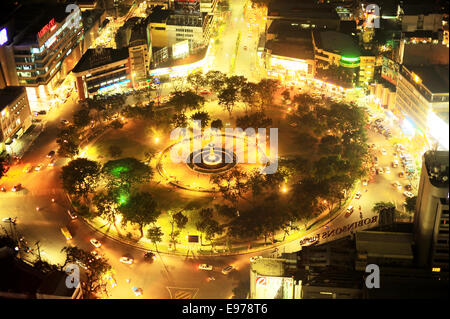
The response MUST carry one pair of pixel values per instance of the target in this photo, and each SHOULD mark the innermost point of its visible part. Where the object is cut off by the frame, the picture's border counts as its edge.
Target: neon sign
(49, 26)
(3, 36)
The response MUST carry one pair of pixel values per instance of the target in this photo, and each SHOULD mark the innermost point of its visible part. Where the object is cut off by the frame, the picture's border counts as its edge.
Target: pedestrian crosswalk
(182, 293)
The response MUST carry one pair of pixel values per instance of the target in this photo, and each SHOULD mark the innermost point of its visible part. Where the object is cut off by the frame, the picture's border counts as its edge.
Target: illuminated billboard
(268, 287)
(191, 7)
(180, 49)
(3, 36)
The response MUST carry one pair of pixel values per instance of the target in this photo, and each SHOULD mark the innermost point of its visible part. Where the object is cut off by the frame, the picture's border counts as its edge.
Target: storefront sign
(49, 26)
(337, 231)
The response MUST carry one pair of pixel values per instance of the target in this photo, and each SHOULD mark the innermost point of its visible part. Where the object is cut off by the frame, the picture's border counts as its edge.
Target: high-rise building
(432, 212)
(15, 115)
(39, 46)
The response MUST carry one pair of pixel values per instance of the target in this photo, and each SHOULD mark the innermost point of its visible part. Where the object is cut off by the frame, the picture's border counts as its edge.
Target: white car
(387, 170)
(408, 194)
(126, 260)
(38, 167)
(227, 270)
(383, 151)
(95, 242)
(358, 195)
(364, 182)
(397, 185)
(255, 258)
(205, 267)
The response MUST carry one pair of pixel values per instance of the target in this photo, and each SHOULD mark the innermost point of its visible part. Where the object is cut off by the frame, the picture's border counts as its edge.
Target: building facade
(431, 219)
(15, 115)
(100, 70)
(422, 94)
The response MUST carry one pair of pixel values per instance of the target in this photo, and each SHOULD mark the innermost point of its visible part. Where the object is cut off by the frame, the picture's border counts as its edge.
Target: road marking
(182, 293)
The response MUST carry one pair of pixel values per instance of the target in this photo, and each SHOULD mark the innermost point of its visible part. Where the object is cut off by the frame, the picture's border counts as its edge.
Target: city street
(39, 219)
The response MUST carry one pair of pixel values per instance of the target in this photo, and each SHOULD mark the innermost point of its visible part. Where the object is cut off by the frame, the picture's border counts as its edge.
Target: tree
(155, 235)
(179, 120)
(208, 225)
(201, 116)
(386, 212)
(267, 89)
(107, 206)
(140, 209)
(68, 142)
(197, 80)
(250, 95)
(80, 177)
(180, 220)
(286, 95)
(184, 101)
(126, 172)
(228, 98)
(174, 232)
(216, 80)
(81, 118)
(410, 204)
(254, 120)
(218, 124)
(114, 151)
(236, 82)
(95, 279)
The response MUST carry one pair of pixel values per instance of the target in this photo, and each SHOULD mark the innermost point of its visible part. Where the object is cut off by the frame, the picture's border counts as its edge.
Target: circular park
(208, 189)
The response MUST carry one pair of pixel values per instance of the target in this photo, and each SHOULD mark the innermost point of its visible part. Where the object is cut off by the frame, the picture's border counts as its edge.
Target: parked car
(205, 267)
(16, 188)
(401, 174)
(408, 187)
(408, 194)
(387, 170)
(227, 270)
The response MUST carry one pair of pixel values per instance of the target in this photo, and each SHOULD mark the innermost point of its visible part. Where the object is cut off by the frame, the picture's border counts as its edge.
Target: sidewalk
(27, 139)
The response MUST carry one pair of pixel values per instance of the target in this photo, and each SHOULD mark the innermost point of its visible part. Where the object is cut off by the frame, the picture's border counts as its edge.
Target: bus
(66, 233)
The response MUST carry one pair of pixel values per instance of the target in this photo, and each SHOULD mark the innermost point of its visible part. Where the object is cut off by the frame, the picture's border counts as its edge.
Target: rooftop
(336, 42)
(9, 94)
(385, 244)
(301, 9)
(30, 19)
(434, 77)
(92, 59)
(291, 49)
(159, 15)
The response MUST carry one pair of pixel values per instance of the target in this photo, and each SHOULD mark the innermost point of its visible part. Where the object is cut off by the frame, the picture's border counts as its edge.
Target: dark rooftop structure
(301, 9)
(434, 77)
(17, 279)
(159, 15)
(291, 49)
(29, 19)
(9, 94)
(336, 42)
(93, 58)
